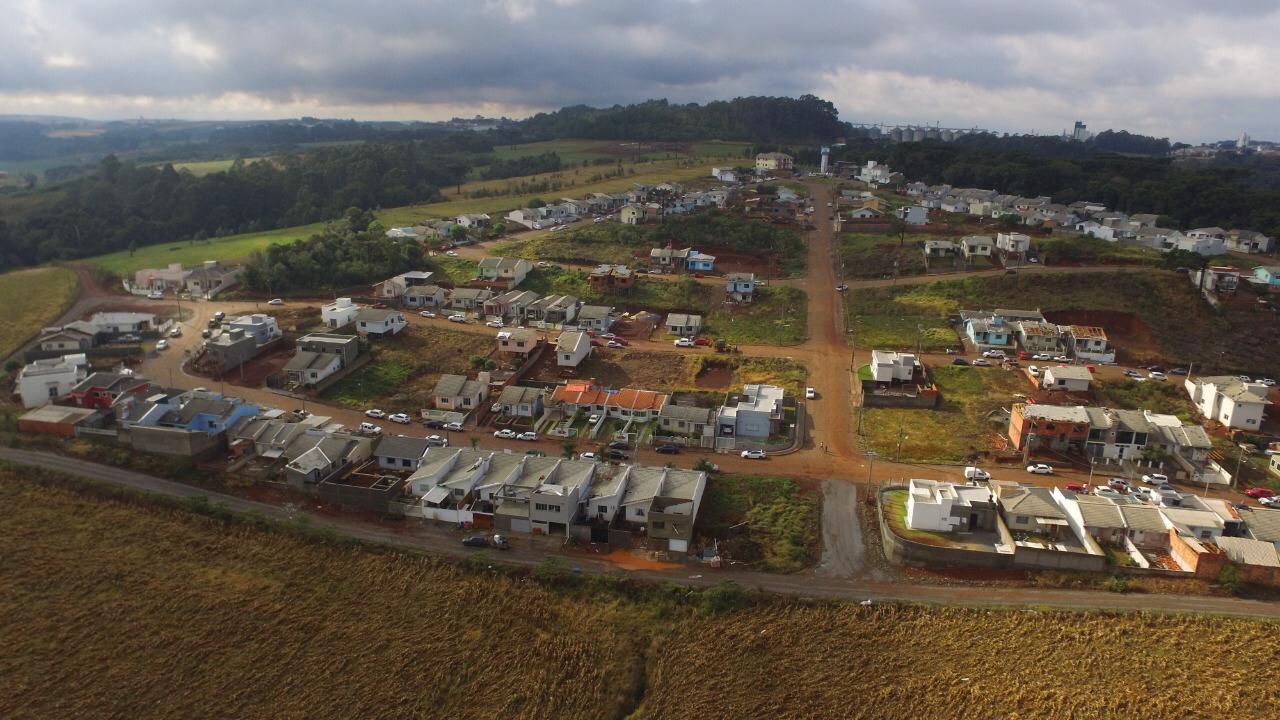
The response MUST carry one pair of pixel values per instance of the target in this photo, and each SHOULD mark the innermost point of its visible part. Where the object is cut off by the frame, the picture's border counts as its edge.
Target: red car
(699, 275)
(702, 341)
(1023, 356)
(1075, 487)
(596, 343)
(1260, 492)
(621, 340)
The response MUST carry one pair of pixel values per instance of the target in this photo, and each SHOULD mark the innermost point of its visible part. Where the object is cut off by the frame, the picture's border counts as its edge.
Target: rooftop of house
(571, 341)
(1087, 331)
(1036, 502)
(58, 414)
(519, 395)
(1248, 551)
(609, 481)
(1142, 517)
(594, 312)
(402, 446)
(109, 381)
(1069, 372)
(518, 335)
(376, 315)
(893, 357)
(643, 486)
(308, 360)
(1055, 413)
(1263, 523)
(1038, 328)
(740, 277)
(683, 320)
(449, 385)
(502, 263)
(1186, 518)
(472, 293)
(329, 339)
(1099, 512)
(687, 413)
(1235, 388)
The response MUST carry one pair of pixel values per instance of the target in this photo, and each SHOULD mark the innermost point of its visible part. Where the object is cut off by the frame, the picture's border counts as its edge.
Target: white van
(976, 473)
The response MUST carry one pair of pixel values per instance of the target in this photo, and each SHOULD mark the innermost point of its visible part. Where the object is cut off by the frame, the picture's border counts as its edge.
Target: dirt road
(529, 551)
(843, 554)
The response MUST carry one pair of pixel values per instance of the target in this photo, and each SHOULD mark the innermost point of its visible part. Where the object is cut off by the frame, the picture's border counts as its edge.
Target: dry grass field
(118, 608)
(914, 662)
(32, 299)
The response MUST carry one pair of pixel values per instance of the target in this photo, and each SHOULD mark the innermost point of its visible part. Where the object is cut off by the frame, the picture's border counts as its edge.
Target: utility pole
(1236, 476)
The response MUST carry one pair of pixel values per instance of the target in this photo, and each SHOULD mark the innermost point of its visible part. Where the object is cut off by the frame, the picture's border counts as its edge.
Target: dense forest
(124, 205)
(756, 119)
(352, 251)
(1232, 192)
(527, 165)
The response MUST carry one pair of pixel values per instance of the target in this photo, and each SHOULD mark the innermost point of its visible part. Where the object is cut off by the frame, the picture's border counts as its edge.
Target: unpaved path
(843, 554)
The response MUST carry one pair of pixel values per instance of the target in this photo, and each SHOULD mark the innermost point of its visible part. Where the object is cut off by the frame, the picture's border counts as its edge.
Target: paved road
(529, 551)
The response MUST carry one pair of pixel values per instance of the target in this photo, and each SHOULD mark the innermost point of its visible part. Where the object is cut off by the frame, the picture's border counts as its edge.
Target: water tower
(826, 159)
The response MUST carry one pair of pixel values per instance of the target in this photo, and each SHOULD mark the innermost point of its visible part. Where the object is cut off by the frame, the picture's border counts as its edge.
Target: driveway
(843, 554)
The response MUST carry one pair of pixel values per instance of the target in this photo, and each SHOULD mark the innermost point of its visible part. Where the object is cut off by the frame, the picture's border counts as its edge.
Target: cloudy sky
(1186, 69)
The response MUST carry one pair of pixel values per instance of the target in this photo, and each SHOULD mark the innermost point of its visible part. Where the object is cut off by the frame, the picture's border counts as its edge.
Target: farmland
(214, 618)
(1149, 315)
(231, 247)
(33, 299)
(406, 367)
(957, 429)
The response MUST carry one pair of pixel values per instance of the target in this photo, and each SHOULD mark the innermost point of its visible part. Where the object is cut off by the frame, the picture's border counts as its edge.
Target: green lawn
(33, 299)
(1160, 397)
(957, 429)
(774, 521)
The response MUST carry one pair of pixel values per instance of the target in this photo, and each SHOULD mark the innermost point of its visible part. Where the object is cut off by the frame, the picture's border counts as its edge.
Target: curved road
(530, 551)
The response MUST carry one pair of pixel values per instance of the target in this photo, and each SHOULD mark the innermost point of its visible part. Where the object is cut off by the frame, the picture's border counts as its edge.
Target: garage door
(680, 546)
(518, 525)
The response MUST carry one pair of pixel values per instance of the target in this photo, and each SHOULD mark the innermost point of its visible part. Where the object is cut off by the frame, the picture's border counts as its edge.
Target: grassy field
(1094, 251)
(1169, 398)
(405, 368)
(780, 533)
(953, 432)
(34, 299)
(181, 615)
(205, 167)
(1145, 313)
(779, 316)
(873, 256)
(231, 247)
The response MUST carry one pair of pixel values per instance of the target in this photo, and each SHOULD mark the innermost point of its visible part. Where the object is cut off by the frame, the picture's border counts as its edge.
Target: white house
(976, 246)
(874, 173)
(1229, 400)
(456, 392)
(893, 366)
(631, 214)
(45, 380)
(1097, 230)
(942, 506)
(572, 348)
(683, 324)
(524, 216)
(1071, 378)
(473, 221)
(397, 286)
(400, 452)
(1013, 242)
(262, 327)
(339, 313)
(374, 322)
(755, 414)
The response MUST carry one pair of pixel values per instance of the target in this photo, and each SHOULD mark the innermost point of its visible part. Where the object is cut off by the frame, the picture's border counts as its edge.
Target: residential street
(529, 551)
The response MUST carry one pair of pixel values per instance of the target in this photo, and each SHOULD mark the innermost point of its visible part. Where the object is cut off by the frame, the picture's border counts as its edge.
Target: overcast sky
(1187, 69)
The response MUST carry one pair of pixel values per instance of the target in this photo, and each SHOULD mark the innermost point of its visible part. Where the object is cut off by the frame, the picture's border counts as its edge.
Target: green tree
(457, 232)
(898, 228)
(570, 447)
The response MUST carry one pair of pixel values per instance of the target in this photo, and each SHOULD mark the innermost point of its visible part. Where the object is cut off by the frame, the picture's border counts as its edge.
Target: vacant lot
(1160, 397)
(954, 432)
(779, 316)
(33, 299)
(865, 255)
(406, 367)
(675, 372)
(765, 523)
(1093, 251)
(1148, 314)
(889, 661)
(184, 616)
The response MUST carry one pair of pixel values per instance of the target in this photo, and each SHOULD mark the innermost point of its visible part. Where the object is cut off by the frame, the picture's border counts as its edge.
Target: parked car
(1273, 501)
(668, 449)
(976, 473)
(375, 414)
(613, 344)
(959, 361)
(1132, 373)
(1033, 371)
(176, 332)
(501, 542)
(400, 418)
(427, 314)
(1075, 487)
(618, 445)
(451, 253)
(1179, 371)
(155, 295)
(219, 316)
(981, 362)
(275, 301)
(1119, 485)
(1040, 469)
(1062, 359)
(206, 333)
(997, 354)
(475, 541)
(1040, 356)
(842, 287)
(588, 456)
(453, 427)
(1260, 492)
(433, 424)
(702, 342)
(620, 340)
(494, 323)
(684, 342)
(505, 434)
(810, 394)
(1156, 479)
(596, 343)
(754, 454)
(162, 344)
(1106, 492)
(528, 435)
(370, 428)
(458, 318)
(437, 441)
(615, 455)
(1157, 375)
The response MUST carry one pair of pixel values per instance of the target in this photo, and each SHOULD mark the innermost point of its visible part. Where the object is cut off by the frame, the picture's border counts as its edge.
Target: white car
(543, 263)
(685, 342)
(1039, 469)
(976, 473)
(400, 418)
(496, 407)
(537, 226)
(1268, 382)
(1273, 501)
(505, 434)
(451, 253)
(427, 314)
(162, 344)
(1106, 492)
(437, 441)
(370, 428)
(494, 323)
(981, 362)
(155, 295)
(593, 419)
(1033, 371)
(176, 332)
(1062, 358)
(375, 414)
(275, 301)
(1041, 356)
(453, 427)
(1246, 379)
(589, 455)
(458, 318)
(753, 454)
(1158, 376)
(613, 344)
(997, 354)
(527, 435)
(810, 393)
(1156, 479)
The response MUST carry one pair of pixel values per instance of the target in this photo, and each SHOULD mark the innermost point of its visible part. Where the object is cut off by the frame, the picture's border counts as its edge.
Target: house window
(602, 509)
(639, 512)
(1021, 520)
(404, 462)
(658, 525)
(541, 507)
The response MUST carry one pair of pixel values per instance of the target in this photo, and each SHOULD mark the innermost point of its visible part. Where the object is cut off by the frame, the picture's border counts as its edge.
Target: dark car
(214, 322)
(1179, 371)
(206, 333)
(475, 541)
(668, 449)
(433, 424)
(959, 361)
(618, 446)
(1011, 271)
(615, 455)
